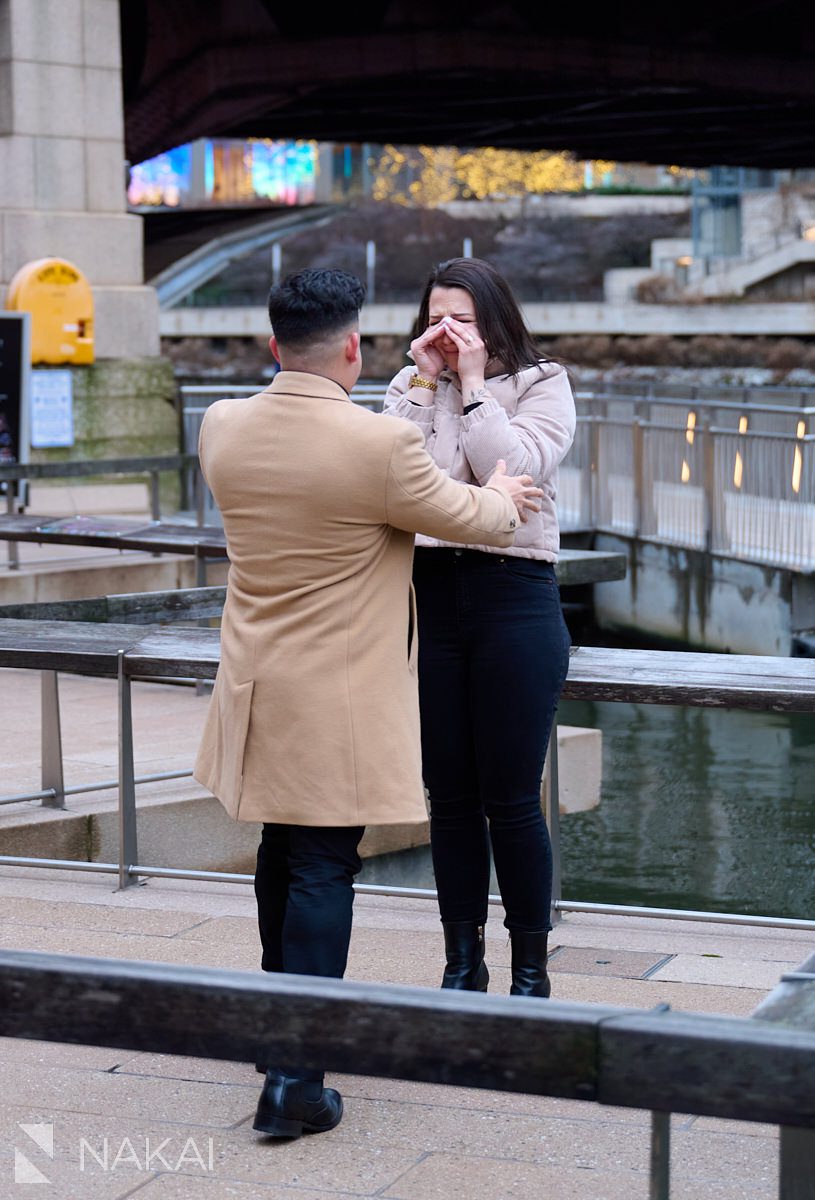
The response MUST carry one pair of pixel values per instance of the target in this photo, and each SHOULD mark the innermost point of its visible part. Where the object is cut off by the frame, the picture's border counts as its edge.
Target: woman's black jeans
(493, 655)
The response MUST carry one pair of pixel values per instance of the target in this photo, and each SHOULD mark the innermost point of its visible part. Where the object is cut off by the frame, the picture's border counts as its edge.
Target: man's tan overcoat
(314, 718)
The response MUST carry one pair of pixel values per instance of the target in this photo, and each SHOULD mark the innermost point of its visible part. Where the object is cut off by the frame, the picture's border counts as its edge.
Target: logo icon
(24, 1169)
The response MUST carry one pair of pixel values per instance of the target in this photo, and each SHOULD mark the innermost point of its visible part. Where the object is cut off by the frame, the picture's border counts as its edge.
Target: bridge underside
(695, 83)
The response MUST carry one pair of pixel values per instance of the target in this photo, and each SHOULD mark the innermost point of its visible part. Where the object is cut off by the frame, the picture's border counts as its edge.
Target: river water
(699, 809)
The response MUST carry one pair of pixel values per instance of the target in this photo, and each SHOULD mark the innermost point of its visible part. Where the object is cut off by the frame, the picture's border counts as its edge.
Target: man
(313, 726)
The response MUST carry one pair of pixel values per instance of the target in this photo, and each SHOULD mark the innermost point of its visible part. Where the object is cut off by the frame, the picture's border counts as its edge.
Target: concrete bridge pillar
(62, 172)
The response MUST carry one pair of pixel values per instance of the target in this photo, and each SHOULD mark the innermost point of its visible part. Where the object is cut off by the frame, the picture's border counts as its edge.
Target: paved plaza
(399, 1140)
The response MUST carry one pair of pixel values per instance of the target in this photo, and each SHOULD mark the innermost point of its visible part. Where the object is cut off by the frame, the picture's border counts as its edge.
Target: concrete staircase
(732, 277)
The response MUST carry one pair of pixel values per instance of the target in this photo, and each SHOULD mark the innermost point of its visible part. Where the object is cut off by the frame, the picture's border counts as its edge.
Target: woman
(493, 645)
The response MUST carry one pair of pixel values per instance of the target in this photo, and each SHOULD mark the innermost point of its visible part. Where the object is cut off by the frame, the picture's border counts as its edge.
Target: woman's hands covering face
(427, 356)
(471, 352)
(450, 343)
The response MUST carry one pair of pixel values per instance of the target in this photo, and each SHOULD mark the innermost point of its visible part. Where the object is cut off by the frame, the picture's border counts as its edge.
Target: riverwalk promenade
(109, 1109)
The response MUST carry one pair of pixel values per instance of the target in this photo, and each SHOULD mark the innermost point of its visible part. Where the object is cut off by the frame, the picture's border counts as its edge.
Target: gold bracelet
(420, 381)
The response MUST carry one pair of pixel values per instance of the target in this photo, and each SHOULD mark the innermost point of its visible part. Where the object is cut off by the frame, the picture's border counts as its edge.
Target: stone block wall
(124, 409)
(62, 168)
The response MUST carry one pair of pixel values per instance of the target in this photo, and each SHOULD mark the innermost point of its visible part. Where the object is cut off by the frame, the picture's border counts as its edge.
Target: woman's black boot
(464, 947)
(529, 953)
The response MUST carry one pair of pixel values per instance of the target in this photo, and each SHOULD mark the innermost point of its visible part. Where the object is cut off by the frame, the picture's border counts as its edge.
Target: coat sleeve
(422, 499)
(397, 404)
(533, 441)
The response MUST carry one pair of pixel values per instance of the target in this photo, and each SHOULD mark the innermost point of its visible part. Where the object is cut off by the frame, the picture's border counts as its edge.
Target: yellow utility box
(60, 301)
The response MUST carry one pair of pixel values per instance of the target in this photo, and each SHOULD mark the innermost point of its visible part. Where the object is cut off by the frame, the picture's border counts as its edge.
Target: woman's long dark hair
(499, 318)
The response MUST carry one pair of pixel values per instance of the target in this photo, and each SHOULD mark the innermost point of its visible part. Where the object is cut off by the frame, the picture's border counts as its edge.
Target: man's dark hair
(312, 304)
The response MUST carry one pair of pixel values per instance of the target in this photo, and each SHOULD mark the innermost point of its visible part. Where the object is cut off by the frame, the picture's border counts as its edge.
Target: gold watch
(420, 381)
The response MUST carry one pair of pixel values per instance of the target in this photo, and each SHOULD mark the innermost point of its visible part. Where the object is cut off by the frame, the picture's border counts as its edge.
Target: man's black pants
(304, 889)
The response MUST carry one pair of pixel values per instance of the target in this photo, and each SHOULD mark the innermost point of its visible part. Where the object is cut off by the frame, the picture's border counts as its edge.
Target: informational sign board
(15, 372)
(52, 409)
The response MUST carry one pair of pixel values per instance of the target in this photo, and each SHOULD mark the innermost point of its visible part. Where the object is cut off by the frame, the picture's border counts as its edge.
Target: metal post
(51, 741)
(199, 496)
(709, 474)
(13, 550)
(128, 844)
(370, 264)
(796, 1164)
(593, 471)
(660, 1179)
(200, 567)
(201, 581)
(155, 502)
(552, 814)
(638, 435)
(277, 261)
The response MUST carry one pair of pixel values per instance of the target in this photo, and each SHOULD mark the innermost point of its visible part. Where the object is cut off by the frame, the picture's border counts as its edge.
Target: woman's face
(453, 302)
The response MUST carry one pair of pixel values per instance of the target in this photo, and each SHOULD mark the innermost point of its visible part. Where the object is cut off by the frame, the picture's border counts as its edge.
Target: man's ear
(274, 347)
(352, 343)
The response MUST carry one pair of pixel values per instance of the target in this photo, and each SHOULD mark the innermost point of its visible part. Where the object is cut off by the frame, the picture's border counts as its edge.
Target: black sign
(13, 368)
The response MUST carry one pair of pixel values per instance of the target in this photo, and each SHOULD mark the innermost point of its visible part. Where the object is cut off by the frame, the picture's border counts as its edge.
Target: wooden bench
(207, 543)
(124, 534)
(576, 568)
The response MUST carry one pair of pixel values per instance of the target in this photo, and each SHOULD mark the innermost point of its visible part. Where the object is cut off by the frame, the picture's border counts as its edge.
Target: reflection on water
(700, 809)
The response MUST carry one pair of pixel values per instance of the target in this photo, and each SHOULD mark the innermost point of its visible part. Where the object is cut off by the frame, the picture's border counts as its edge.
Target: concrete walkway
(404, 1141)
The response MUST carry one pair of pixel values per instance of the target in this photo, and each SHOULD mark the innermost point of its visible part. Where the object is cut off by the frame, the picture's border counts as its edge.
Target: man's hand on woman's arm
(520, 488)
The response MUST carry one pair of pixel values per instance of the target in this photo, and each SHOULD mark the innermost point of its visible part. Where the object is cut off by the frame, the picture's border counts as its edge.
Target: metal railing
(740, 394)
(129, 869)
(729, 478)
(728, 470)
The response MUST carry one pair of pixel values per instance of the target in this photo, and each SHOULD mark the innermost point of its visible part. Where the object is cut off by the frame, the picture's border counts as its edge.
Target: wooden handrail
(666, 1061)
(98, 466)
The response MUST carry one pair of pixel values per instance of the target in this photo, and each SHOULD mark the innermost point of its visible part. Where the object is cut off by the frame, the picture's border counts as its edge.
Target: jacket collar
(302, 383)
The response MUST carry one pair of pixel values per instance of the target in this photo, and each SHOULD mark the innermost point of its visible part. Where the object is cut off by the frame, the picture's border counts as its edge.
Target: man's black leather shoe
(289, 1107)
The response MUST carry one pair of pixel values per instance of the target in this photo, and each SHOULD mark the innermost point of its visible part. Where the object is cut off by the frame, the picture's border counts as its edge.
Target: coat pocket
(220, 760)
(413, 631)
